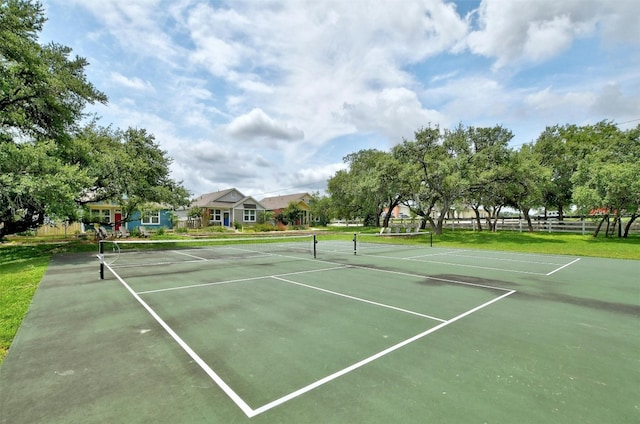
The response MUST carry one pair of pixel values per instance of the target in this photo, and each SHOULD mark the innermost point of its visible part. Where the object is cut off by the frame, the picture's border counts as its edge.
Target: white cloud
(612, 103)
(134, 82)
(256, 96)
(533, 31)
(398, 114)
(257, 124)
(136, 25)
(313, 175)
(549, 100)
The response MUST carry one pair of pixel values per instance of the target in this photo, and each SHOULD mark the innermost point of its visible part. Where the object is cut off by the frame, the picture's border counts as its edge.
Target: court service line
(189, 255)
(211, 373)
(372, 358)
(240, 280)
(455, 255)
(446, 253)
(340, 265)
(359, 299)
(563, 266)
(454, 264)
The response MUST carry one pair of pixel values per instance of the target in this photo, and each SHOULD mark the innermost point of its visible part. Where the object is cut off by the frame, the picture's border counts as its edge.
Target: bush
(237, 225)
(263, 228)
(216, 229)
(161, 231)
(182, 230)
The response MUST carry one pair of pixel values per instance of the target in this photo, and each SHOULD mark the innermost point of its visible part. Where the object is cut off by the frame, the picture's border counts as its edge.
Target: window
(102, 216)
(151, 218)
(250, 215)
(216, 215)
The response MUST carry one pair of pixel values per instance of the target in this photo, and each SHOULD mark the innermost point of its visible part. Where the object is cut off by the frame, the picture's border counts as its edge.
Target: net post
(315, 242)
(430, 239)
(355, 243)
(101, 257)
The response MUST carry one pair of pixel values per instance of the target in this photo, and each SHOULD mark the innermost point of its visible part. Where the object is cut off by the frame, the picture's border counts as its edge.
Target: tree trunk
(611, 230)
(385, 222)
(628, 226)
(492, 218)
(527, 217)
(595, 233)
(476, 209)
(441, 217)
(432, 223)
(560, 213)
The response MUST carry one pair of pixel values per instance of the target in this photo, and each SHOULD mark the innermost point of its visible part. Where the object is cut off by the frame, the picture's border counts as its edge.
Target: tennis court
(301, 329)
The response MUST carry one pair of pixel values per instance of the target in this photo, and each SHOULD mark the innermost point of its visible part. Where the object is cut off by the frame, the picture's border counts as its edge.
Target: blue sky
(268, 96)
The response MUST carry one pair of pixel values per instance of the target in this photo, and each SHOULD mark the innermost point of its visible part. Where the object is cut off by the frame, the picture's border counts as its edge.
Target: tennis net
(145, 253)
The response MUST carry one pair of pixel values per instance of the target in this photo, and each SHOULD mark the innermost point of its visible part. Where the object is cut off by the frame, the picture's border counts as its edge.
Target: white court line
(250, 412)
(372, 358)
(189, 255)
(211, 373)
(454, 264)
(359, 299)
(498, 259)
(436, 254)
(215, 283)
(148, 264)
(563, 266)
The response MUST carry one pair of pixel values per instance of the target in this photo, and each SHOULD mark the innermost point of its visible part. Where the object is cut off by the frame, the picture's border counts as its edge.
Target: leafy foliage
(49, 163)
(594, 167)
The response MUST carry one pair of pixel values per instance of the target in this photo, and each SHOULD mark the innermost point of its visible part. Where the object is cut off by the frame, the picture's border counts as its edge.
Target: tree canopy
(50, 160)
(593, 167)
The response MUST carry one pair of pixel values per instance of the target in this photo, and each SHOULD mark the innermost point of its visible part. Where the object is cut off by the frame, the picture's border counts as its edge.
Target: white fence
(571, 225)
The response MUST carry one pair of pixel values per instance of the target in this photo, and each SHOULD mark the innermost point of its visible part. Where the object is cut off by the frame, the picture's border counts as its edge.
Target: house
(229, 206)
(277, 204)
(109, 214)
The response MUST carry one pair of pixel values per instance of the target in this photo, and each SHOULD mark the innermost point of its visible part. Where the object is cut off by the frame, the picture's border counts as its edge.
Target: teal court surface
(304, 330)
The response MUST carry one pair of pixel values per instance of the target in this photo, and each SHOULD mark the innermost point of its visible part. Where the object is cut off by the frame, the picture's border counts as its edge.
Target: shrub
(216, 229)
(263, 228)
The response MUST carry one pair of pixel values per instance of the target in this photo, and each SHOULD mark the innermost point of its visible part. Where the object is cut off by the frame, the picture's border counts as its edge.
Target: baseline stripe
(372, 358)
(211, 373)
(563, 266)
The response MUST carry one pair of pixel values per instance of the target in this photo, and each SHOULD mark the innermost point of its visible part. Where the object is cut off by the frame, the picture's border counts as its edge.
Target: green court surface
(268, 333)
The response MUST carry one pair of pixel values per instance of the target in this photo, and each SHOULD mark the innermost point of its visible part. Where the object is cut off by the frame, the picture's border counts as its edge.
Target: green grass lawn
(23, 261)
(556, 244)
(22, 266)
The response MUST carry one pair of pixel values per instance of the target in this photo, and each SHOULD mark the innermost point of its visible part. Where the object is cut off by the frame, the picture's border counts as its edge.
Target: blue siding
(165, 221)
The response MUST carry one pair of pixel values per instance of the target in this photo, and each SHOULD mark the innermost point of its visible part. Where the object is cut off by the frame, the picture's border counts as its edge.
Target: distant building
(228, 206)
(277, 204)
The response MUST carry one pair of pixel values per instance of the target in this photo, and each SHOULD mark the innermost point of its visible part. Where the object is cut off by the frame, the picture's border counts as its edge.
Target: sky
(269, 96)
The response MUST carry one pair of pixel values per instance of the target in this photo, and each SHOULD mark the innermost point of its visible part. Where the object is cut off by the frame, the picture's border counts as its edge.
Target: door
(226, 219)
(118, 218)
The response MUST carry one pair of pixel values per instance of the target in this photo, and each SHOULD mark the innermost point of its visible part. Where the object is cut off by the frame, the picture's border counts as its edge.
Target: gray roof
(223, 199)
